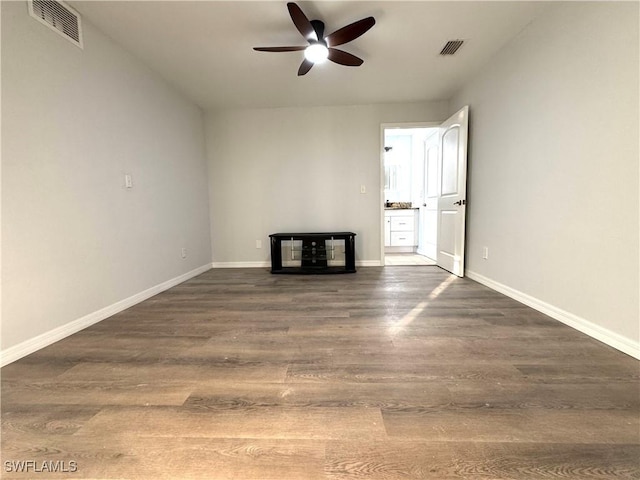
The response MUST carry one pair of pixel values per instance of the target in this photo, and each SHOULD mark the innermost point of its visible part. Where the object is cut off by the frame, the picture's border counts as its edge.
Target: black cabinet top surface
(314, 234)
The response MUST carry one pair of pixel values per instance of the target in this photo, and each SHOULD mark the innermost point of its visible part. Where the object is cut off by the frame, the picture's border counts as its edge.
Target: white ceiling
(204, 48)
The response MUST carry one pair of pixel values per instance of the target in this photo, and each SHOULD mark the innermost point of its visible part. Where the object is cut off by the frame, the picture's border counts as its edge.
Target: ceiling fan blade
(305, 66)
(301, 22)
(278, 49)
(350, 32)
(344, 58)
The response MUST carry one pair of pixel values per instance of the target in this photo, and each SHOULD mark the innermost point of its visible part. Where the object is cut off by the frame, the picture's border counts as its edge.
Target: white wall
(553, 166)
(299, 169)
(74, 240)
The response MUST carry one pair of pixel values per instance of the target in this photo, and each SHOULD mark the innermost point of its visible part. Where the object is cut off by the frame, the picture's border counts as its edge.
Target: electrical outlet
(485, 253)
(258, 243)
(184, 252)
(128, 182)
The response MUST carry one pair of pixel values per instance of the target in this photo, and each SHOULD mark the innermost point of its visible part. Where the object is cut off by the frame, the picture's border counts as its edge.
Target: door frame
(383, 127)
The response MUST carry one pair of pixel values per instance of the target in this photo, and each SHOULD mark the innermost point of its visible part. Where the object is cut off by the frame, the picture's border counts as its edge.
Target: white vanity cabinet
(400, 229)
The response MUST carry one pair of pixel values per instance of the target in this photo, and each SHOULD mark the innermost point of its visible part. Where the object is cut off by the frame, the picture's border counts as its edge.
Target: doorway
(423, 191)
(405, 178)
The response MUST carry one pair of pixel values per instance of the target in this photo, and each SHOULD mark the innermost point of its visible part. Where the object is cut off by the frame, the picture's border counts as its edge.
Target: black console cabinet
(314, 254)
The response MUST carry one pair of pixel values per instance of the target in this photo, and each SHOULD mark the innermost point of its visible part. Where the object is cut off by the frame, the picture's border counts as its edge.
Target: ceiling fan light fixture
(316, 53)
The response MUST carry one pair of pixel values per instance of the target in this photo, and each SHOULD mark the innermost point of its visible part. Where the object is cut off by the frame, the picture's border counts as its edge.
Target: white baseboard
(241, 265)
(604, 335)
(27, 347)
(369, 263)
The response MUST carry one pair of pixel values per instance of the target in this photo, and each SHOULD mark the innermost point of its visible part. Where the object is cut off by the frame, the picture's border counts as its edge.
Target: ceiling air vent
(451, 47)
(59, 17)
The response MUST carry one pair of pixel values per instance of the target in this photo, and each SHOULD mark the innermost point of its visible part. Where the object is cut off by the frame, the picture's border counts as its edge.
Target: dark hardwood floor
(389, 373)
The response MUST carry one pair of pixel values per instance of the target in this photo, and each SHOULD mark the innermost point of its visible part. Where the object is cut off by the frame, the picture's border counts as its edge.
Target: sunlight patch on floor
(420, 307)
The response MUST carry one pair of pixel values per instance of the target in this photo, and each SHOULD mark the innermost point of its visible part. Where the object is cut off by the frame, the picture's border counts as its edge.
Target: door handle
(460, 202)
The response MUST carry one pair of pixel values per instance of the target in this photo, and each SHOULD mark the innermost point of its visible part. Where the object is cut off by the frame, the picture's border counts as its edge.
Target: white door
(452, 176)
(428, 245)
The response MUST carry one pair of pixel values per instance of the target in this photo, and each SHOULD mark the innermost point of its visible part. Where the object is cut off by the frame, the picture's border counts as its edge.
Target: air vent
(451, 47)
(59, 17)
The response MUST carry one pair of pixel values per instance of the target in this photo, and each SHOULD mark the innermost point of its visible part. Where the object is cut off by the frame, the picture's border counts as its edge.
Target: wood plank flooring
(389, 373)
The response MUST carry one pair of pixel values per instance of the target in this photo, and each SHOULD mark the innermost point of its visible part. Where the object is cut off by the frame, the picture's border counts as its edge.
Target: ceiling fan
(321, 48)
